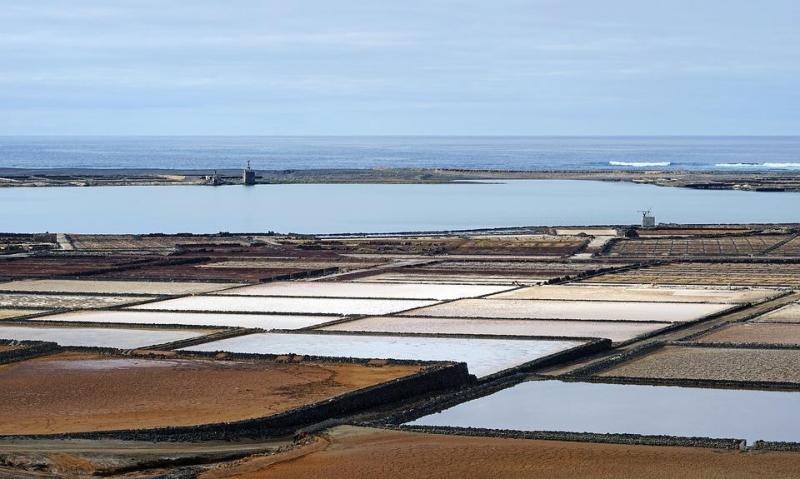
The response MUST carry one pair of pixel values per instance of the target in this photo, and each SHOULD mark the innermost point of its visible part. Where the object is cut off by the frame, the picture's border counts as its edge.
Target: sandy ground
(787, 314)
(81, 458)
(81, 392)
(348, 452)
(13, 313)
(767, 333)
(126, 287)
(714, 363)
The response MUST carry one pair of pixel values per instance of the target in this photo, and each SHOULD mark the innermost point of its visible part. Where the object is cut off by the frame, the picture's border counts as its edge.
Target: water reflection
(633, 409)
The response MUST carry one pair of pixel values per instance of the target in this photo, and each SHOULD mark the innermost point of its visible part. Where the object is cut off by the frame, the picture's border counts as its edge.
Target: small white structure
(648, 219)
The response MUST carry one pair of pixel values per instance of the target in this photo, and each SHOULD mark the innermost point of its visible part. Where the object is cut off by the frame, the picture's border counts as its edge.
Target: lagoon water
(631, 409)
(341, 208)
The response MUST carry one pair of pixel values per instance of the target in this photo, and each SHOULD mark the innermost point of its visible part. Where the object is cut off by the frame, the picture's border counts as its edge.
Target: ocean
(503, 153)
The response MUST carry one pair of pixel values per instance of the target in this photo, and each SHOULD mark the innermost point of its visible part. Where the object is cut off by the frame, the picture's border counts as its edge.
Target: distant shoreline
(783, 181)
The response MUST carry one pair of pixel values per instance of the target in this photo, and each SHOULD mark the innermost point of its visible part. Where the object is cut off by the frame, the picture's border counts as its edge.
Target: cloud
(329, 39)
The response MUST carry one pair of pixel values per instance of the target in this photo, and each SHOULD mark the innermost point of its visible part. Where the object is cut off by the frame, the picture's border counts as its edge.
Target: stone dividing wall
(688, 382)
(430, 405)
(587, 373)
(613, 360)
(492, 383)
(29, 349)
(590, 346)
(436, 377)
(598, 272)
(224, 333)
(776, 446)
(629, 439)
(566, 355)
(695, 344)
(312, 273)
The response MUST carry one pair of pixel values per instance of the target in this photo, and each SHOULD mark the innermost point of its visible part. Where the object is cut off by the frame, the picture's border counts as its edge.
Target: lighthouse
(248, 175)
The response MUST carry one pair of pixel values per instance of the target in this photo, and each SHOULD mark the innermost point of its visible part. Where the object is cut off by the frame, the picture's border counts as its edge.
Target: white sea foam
(768, 165)
(639, 163)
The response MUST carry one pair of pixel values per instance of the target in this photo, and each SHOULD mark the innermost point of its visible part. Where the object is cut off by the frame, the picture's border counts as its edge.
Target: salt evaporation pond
(338, 208)
(263, 321)
(125, 287)
(576, 310)
(98, 337)
(630, 409)
(366, 290)
(639, 293)
(261, 304)
(787, 314)
(615, 331)
(68, 301)
(444, 278)
(483, 356)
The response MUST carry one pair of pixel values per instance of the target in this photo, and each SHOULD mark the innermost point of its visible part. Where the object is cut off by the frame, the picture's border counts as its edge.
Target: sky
(389, 67)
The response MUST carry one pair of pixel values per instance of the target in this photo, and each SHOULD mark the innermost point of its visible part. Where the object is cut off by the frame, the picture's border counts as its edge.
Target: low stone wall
(27, 350)
(613, 360)
(585, 275)
(688, 382)
(447, 400)
(776, 446)
(629, 439)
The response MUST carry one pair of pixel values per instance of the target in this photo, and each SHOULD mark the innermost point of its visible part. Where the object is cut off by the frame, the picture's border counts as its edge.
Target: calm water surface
(339, 208)
(633, 409)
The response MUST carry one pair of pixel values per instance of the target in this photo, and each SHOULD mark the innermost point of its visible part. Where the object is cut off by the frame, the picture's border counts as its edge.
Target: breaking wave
(784, 166)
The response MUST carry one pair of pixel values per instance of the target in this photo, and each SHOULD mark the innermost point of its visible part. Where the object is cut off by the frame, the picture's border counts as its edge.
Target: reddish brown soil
(349, 452)
(42, 267)
(73, 392)
(511, 268)
(449, 245)
(194, 272)
(134, 242)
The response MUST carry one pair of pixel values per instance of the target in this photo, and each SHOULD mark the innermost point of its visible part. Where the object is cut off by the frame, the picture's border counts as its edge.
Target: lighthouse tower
(248, 175)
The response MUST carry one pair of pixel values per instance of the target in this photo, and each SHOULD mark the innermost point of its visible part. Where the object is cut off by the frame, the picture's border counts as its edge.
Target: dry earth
(348, 452)
(72, 392)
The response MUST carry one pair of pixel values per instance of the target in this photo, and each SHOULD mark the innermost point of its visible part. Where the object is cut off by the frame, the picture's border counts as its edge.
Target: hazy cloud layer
(410, 67)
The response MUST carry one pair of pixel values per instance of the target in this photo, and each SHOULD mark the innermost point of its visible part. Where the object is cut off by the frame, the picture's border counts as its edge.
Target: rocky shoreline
(747, 181)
